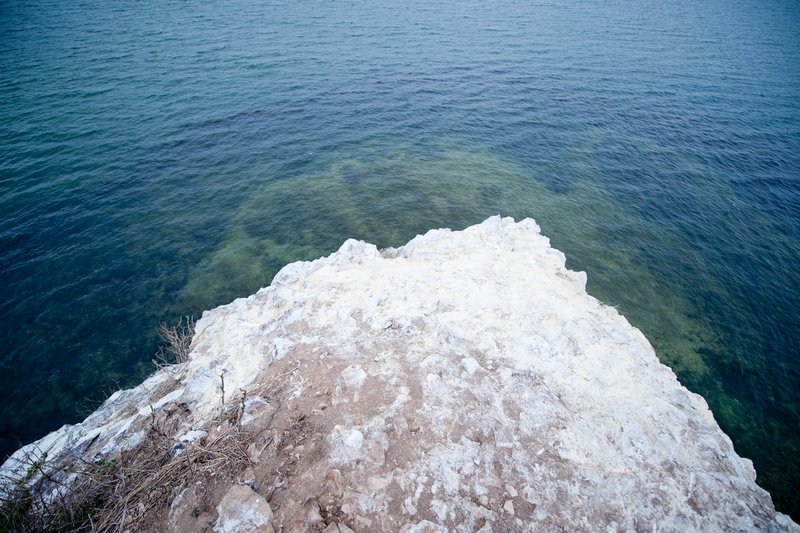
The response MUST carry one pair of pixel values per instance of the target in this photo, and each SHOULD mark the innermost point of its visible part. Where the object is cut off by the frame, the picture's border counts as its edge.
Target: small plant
(13, 512)
(105, 467)
(16, 497)
(176, 342)
(32, 469)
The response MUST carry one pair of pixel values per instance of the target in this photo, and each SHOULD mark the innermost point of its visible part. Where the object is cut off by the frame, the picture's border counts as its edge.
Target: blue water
(161, 158)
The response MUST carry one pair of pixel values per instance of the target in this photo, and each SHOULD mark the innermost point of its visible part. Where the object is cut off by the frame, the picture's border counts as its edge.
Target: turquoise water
(161, 158)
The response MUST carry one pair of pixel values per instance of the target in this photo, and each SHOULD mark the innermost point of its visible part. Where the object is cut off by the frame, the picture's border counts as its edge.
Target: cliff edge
(463, 382)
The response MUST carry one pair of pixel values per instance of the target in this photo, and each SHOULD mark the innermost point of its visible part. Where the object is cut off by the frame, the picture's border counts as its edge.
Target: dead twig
(176, 342)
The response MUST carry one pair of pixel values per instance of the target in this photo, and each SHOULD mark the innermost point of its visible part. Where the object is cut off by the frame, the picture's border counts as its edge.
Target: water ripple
(159, 159)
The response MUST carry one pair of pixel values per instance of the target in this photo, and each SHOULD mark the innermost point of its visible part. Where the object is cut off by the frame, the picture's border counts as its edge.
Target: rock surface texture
(463, 382)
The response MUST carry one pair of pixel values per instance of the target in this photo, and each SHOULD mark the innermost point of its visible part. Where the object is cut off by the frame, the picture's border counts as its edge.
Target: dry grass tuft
(151, 480)
(176, 342)
(121, 493)
(133, 490)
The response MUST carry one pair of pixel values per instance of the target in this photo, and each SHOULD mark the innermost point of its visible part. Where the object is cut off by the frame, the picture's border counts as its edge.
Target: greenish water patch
(386, 199)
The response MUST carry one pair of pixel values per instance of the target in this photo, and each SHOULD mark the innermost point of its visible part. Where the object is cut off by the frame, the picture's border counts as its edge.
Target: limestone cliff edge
(463, 382)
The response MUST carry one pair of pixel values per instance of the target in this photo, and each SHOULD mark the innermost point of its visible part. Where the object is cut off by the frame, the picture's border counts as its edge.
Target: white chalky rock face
(466, 382)
(243, 510)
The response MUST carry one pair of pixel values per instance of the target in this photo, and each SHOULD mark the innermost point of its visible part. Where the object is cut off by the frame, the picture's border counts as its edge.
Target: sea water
(162, 158)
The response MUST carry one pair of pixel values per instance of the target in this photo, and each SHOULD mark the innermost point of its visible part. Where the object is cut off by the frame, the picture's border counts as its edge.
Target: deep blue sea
(159, 158)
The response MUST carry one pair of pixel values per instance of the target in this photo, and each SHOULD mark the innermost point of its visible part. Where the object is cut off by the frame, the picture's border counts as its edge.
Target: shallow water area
(161, 159)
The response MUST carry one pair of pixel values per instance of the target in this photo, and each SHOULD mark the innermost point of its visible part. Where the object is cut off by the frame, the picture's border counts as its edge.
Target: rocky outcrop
(465, 382)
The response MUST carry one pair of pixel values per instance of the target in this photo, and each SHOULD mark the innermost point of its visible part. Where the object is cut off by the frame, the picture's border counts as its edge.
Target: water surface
(161, 158)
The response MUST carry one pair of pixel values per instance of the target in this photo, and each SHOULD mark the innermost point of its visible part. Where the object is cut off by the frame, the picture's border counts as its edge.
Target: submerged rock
(465, 381)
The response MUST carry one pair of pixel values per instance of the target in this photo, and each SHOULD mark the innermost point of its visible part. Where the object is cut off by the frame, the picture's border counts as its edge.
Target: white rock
(193, 437)
(353, 439)
(353, 377)
(424, 526)
(509, 507)
(579, 414)
(257, 414)
(241, 509)
(346, 444)
(280, 347)
(470, 364)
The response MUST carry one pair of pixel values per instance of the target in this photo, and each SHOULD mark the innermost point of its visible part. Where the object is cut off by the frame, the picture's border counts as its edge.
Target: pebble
(509, 507)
